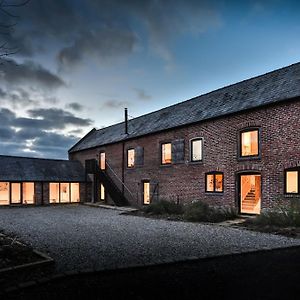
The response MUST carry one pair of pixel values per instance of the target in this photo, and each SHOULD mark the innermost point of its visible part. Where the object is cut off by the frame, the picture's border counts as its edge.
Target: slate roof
(15, 168)
(272, 87)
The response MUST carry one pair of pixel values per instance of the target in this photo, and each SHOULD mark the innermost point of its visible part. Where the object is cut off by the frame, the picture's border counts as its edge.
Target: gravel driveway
(80, 237)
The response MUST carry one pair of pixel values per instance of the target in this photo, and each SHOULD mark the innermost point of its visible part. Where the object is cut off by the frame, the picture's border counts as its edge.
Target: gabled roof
(15, 168)
(270, 88)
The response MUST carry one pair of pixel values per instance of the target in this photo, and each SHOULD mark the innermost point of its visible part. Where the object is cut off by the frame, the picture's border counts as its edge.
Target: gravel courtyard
(80, 237)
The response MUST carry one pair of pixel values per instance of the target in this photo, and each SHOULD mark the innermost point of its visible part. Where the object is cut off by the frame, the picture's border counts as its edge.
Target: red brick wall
(280, 132)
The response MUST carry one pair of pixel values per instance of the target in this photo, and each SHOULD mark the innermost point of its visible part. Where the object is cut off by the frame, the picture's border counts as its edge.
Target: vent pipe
(126, 121)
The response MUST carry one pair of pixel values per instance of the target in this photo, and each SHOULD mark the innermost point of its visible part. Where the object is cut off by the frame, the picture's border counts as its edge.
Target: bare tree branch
(7, 28)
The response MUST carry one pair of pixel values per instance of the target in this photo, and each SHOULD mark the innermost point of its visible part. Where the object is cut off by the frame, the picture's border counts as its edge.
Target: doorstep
(120, 208)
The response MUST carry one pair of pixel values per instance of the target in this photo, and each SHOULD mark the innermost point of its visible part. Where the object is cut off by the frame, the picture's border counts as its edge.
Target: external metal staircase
(118, 194)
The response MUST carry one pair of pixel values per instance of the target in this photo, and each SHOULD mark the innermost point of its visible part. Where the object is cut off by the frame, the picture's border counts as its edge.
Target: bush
(281, 217)
(197, 211)
(202, 212)
(164, 207)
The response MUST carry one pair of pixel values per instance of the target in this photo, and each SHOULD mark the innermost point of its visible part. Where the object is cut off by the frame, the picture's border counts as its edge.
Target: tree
(8, 21)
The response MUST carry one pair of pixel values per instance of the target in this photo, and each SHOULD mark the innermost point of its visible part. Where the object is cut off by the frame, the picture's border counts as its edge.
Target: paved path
(80, 237)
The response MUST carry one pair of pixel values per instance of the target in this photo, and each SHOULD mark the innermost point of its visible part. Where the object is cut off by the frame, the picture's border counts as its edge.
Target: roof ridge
(36, 158)
(193, 98)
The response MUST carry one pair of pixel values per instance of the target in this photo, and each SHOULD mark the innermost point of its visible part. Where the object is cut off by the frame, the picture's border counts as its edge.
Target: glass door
(16, 193)
(250, 193)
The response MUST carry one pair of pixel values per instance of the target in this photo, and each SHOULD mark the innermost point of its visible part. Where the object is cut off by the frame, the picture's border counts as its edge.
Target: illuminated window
(4, 193)
(64, 193)
(54, 192)
(292, 182)
(249, 143)
(214, 182)
(102, 160)
(166, 153)
(130, 158)
(16, 193)
(102, 192)
(146, 192)
(28, 192)
(75, 192)
(196, 150)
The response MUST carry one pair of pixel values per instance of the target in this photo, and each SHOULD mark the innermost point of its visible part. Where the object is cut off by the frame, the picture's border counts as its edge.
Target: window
(102, 160)
(214, 182)
(249, 143)
(16, 193)
(75, 192)
(54, 192)
(196, 150)
(146, 192)
(4, 193)
(64, 193)
(28, 192)
(166, 153)
(102, 192)
(130, 158)
(292, 181)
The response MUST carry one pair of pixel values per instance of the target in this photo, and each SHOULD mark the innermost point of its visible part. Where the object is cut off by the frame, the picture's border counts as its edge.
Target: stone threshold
(106, 206)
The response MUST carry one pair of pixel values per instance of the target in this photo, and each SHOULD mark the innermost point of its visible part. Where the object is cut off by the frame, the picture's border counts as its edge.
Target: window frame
(191, 149)
(161, 153)
(214, 173)
(143, 192)
(102, 152)
(249, 129)
(59, 192)
(285, 181)
(127, 152)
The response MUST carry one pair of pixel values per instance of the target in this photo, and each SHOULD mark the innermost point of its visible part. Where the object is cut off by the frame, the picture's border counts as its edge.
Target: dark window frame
(161, 153)
(10, 193)
(99, 163)
(285, 181)
(249, 129)
(191, 149)
(143, 199)
(127, 166)
(214, 173)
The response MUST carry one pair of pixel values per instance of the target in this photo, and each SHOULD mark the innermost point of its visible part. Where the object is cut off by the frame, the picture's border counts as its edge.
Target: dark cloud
(102, 44)
(30, 73)
(141, 94)
(111, 104)
(75, 106)
(36, 136)
(58, 118)
(105, 29)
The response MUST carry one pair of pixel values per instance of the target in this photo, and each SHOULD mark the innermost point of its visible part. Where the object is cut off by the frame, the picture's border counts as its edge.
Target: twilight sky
(80, 62)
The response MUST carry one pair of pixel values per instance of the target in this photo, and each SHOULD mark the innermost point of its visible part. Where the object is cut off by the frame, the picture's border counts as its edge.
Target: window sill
(292, 195)
(198, 162)
(166, 165)
(214, 193)
(248, 158)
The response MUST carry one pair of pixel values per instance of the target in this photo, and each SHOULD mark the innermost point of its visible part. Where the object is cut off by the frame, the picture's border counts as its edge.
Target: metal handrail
(106, 162)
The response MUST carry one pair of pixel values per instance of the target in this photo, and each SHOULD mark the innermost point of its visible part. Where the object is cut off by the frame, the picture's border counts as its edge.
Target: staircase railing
(118, 181)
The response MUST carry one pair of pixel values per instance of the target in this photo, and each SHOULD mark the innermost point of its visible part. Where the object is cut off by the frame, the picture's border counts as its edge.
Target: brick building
(34, 181)
(236, 146)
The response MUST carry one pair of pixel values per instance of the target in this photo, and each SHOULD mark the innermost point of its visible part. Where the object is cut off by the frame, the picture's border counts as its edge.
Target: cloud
(102, 44)
(111, 104)
(43, 134)
(141, 94)
(104, 29)
(75, 106)
(58, 118)
(30, 73)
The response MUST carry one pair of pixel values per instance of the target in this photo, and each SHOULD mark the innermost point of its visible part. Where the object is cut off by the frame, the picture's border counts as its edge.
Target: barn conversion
(236, 146)
(34, 181)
